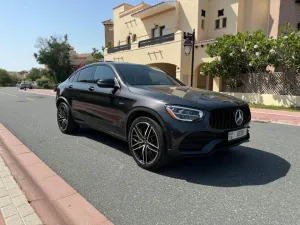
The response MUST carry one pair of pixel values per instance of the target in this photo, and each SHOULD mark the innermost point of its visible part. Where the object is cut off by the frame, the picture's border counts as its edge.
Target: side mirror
(108, 83)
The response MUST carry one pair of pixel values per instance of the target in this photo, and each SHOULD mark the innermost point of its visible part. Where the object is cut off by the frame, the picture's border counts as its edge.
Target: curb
(55, 201)
(284, 122)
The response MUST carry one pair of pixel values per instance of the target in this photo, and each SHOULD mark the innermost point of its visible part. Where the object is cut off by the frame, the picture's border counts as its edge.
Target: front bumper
(199, 139)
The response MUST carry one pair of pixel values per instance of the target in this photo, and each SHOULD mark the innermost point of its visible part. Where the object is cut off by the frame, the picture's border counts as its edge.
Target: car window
(74, 77)
(145, 75)
(103, 73)
(86, 74)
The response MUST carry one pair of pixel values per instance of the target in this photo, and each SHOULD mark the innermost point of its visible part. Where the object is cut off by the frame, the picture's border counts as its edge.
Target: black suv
(158, 115)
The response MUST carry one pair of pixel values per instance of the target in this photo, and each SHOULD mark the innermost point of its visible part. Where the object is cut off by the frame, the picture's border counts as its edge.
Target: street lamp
(189, 45)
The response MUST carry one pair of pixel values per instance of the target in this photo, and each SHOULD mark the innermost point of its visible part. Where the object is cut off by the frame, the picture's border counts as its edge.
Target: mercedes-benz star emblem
(239, 117)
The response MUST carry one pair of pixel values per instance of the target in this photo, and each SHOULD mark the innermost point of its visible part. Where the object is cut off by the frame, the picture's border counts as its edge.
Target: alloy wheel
(62, 117)
(144, 143)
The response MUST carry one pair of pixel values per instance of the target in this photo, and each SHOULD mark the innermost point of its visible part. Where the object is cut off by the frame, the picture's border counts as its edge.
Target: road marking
(8, 94)
(30, 99)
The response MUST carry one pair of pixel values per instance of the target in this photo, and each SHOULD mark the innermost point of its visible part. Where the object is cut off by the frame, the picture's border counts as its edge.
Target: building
(108, 31)
(153, 35)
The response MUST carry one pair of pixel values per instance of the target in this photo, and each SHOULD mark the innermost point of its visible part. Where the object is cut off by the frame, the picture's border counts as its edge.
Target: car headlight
(184, 114)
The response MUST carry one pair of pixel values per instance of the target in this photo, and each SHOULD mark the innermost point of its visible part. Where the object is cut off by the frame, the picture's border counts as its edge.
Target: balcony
(119, 48)
(157, 40)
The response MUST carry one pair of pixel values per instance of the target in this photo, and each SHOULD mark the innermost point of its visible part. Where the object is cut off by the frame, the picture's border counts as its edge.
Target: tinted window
(144, 75)
(74, 77)
(86, 75)
(103, 73)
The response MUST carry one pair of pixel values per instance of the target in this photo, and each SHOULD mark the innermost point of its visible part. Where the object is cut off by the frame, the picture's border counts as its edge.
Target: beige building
(153, 35)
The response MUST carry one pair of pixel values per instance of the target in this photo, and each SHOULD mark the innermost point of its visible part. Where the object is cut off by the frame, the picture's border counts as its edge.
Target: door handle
(70, 86)
(91, 88)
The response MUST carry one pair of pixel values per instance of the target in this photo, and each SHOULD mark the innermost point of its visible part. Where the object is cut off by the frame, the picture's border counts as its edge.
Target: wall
(109, 33)
(231, 8)
(274, 18)
(267, 99)
(168, 52)
(143, 28)
(289, 13)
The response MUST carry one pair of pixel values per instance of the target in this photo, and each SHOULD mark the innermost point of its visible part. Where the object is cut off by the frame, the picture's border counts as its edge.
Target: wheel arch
(143, 111)
(62, 99)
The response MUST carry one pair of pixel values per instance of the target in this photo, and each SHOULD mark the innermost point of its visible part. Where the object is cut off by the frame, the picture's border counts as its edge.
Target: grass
(291, 109)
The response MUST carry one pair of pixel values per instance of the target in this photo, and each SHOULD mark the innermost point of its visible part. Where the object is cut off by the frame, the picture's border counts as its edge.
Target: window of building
(86, 75)
(203, 13)
(162, 31)
(128, 40)
(203, 24)
(155, 32)
(298, 26)
(103, 73)
(134, 38)
(224, 22)
(217, 24)
(220, 12)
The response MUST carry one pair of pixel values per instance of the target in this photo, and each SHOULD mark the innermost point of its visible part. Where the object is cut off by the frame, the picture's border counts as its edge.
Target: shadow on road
(103, 138)
(241, 166)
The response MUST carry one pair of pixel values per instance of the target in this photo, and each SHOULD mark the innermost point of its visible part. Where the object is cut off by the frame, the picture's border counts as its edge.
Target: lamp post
(189, 45)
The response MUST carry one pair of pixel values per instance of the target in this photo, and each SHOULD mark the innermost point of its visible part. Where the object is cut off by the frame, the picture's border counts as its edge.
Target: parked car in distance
(156, 114)
(26, 84)
(34, 84)
(18, 84)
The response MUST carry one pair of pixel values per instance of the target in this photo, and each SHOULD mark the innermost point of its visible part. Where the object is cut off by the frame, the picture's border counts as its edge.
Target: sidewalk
(40, 91)
(276, 116)
(15, 209)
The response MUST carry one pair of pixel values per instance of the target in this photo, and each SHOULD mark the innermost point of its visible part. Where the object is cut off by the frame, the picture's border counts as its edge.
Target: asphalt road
(257, 183)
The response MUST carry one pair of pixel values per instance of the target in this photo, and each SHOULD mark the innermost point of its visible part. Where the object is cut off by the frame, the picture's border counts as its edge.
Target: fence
(277, 83)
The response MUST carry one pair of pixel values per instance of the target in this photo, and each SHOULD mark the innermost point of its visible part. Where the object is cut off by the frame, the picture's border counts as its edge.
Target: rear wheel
(65, 120)
(146, 143)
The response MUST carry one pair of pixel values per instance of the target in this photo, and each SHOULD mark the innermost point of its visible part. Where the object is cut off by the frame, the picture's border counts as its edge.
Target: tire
(65, 121)
(147, 144)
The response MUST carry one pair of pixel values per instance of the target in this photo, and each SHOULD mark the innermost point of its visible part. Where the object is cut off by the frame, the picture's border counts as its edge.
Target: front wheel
(65, 120)
(146, 143)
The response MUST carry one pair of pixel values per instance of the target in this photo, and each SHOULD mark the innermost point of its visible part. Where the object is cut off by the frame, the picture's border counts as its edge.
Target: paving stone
(8, 211)
(5, 201)
(8, 179)
(4, 174)
(20, 200)
(2, 184)
(32, 219)
(3, 192)
(15, 192)
(25, 210)
(14, 220)
(3, 168)
(11, 185)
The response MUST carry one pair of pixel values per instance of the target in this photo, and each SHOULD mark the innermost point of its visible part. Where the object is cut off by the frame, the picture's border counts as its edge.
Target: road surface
(257, 183)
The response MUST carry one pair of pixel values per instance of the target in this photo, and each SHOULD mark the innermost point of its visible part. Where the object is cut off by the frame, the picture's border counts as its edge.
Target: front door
(103, 102)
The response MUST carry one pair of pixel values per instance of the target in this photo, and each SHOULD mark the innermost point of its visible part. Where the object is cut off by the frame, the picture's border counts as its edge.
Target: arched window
(128, 40)
(134, 38)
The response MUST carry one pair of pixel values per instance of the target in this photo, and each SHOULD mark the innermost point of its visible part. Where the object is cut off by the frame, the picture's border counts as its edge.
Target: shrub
(42, 81)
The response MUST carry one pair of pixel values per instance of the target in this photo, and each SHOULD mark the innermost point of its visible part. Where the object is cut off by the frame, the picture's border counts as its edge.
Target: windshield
(145, 75)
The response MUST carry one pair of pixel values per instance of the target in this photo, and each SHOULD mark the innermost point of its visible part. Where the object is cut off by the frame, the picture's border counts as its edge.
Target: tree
(286, 49)
(96, 56)
(34, 74)
(239, 54)
(5, 78)
(55, 53)
(109, 44)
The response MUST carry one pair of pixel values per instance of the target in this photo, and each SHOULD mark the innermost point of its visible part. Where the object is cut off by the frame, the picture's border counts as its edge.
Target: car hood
(182, 94)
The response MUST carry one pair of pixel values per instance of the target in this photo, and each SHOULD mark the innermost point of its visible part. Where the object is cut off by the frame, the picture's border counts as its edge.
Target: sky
(22, 22)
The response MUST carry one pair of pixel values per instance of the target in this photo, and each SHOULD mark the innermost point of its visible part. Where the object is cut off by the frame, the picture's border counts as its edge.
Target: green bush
(47, 86)
(42, 81)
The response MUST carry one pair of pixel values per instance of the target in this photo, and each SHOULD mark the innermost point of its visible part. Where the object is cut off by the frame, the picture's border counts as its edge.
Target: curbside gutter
(55, 201)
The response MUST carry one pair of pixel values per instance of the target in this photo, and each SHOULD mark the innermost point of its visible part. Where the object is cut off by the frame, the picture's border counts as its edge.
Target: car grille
(196, 141)
(224, 118)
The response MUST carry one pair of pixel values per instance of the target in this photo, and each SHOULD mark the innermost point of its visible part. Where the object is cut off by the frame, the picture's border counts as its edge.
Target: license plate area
(237, 134)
